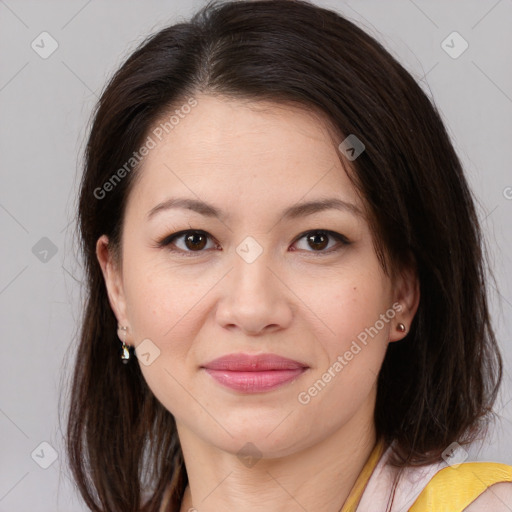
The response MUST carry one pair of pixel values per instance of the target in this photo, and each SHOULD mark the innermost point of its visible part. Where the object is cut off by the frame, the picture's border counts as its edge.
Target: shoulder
(469, 486)
(477, 486)
(497, 497)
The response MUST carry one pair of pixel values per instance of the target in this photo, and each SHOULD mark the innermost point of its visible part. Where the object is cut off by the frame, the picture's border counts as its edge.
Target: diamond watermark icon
(454, 45)
(352, 147)
(44, 45)
(249, 250)
(454, 455)
(147, 352)
(44, 455)
(44, 250)
(249, 455)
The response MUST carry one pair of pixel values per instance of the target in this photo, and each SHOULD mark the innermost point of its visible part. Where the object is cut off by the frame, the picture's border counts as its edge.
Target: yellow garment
(452, 489)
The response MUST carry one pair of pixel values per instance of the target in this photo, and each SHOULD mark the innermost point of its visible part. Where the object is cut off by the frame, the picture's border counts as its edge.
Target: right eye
(191, 241)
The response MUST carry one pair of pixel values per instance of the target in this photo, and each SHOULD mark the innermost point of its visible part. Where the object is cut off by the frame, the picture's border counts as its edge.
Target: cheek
(163, 307)
(346, 377)
(358, 313)
(166, 304)
(161, 296)
(354, 305)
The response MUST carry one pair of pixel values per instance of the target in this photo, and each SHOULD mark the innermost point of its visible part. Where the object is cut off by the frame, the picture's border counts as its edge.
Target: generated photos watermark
(304, 397)
(150, 143)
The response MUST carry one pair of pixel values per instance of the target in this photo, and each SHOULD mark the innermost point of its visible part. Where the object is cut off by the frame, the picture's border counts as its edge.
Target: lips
(253, 363)
(254, 373)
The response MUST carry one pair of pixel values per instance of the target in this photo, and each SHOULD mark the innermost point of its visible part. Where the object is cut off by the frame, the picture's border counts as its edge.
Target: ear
(113, 279)
(407, 295)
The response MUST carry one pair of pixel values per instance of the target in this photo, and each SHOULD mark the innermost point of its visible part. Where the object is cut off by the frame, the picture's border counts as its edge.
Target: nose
(254, 299)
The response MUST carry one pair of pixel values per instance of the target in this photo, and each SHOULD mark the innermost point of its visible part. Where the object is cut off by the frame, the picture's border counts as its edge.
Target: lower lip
(254, 382)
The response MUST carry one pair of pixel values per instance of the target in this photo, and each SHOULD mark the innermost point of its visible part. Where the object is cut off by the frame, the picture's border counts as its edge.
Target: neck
(319, 477)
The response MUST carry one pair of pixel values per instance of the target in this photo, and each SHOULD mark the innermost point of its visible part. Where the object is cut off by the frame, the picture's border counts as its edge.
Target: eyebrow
(293, 212)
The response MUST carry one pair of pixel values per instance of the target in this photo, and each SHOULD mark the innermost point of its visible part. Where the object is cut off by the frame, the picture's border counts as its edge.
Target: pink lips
(254, 373)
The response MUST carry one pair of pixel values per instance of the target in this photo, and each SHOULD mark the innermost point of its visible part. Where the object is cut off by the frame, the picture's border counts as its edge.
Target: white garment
(413, 480)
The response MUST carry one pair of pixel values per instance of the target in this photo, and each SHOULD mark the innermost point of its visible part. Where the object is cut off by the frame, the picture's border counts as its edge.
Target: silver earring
(125, 349)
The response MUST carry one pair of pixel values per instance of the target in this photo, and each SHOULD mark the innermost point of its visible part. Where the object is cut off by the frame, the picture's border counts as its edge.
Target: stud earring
(125, 349)
(400, 327)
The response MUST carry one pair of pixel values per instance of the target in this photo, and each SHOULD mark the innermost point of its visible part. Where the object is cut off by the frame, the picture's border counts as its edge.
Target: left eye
(197, 241)
(319, 240)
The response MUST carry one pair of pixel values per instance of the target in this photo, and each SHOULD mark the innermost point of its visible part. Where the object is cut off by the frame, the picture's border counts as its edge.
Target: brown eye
(195, 241)
(318, 240)
(322, 241)
(186, 242)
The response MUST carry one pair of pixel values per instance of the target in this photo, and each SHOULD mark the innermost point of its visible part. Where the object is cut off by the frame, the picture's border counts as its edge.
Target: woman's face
(256, 280)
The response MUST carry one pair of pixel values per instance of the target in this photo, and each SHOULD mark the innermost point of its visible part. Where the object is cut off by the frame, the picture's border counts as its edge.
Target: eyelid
(333, 234)
(342, 241)
(166, 241)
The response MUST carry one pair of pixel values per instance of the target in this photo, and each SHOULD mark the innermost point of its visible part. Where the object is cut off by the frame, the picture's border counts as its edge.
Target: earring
(125, 349)
(400, 327)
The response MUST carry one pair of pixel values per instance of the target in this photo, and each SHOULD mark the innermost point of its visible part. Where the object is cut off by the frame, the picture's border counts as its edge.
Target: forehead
(235, 153)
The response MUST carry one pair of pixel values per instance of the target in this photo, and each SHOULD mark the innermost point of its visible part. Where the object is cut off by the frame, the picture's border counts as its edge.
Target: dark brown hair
(438, 385)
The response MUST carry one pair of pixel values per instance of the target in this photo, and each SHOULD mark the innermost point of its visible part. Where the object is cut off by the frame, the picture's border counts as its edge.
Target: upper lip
(253, 363)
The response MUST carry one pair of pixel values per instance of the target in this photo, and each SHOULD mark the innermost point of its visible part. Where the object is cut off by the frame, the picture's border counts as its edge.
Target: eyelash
(167, 241)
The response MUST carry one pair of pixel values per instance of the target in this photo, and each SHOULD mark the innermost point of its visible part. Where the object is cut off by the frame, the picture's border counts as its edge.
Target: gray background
(45, 105)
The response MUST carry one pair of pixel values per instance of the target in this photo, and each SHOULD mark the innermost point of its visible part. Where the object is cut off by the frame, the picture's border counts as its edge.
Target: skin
(252, 160)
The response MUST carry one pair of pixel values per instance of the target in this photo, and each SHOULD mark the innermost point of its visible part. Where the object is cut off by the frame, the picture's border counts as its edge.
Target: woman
(282, 248)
